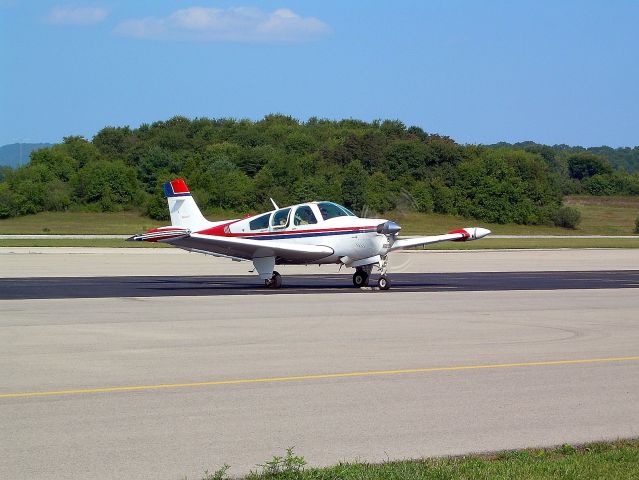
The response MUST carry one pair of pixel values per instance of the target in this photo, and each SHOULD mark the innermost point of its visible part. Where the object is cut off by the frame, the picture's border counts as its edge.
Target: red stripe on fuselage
(219, 231)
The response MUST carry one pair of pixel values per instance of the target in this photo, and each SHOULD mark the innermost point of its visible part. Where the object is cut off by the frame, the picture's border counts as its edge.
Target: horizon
(478, 73)
(90, 138)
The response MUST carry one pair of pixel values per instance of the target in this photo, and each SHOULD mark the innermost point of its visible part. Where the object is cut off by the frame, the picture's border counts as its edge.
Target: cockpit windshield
(332, 210)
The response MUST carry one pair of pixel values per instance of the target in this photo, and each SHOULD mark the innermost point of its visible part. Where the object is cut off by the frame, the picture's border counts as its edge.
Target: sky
(477, 71)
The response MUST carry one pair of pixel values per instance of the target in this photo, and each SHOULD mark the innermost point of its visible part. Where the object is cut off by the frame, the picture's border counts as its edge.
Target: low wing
(461, 235)
(242, 248)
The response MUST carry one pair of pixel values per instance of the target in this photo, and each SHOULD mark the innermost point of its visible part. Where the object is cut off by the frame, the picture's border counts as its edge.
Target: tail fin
(184, 211)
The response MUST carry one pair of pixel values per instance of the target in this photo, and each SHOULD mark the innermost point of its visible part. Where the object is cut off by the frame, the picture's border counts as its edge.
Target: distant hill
(623, 158)
(18, 153)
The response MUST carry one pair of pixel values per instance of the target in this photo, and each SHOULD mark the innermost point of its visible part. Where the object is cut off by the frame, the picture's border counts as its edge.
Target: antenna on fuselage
(274, 204)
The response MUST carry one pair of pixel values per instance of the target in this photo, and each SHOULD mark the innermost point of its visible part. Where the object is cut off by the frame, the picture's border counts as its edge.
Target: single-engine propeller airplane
(303, 234)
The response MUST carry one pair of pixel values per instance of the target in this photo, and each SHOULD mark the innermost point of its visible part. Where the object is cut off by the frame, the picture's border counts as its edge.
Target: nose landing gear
(362, 275)
(383, 282)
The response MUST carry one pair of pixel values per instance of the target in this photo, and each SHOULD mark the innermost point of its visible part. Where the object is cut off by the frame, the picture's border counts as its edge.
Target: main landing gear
(360, 278)
(274, 282)
(362, 275)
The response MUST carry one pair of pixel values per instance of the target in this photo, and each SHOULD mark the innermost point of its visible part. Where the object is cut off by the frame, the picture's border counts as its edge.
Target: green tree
(113, 142)
(8, 201)
(584, 165)
(354, 183)
(80, 150)
(151, 164)
(421, 197)
(231, 187)
(110, 185)
(405, 157)
(380, 194)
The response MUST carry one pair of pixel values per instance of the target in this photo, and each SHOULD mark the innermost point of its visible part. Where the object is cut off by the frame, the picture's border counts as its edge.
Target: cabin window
(260, 222)
(280, 218)
(332, 210)
(304, 216)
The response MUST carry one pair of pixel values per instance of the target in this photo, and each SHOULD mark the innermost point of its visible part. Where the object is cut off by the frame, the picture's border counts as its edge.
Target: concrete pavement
(72, 261)
(52, 345)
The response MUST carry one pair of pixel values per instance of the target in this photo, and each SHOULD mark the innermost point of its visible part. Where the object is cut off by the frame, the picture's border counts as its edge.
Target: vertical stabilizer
(184, 211)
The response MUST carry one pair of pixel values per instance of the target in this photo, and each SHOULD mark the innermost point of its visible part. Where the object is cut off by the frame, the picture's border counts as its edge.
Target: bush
(568, 217)
(157, 208)
(637, 225)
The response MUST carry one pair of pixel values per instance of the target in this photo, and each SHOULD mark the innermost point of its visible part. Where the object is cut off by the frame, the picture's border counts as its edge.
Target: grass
(432, 223)
(606, 215)
(600, 216)
(614, 460)
(86, 223)
(79, 223)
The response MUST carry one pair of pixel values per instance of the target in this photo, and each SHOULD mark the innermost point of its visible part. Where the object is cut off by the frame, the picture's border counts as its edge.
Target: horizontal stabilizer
(160, 234)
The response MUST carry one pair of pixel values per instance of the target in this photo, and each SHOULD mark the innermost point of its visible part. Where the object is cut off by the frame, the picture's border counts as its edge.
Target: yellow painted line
(315, 377)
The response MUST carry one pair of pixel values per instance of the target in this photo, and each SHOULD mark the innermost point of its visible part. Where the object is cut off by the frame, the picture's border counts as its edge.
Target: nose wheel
(384, 282)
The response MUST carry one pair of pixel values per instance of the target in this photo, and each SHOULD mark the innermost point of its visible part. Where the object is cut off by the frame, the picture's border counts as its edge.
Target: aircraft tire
(384, 283)
(360, 278)
(275, 281)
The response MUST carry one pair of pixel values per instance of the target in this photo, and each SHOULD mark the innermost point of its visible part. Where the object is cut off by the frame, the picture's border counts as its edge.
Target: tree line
(238, 164)
(621, 158)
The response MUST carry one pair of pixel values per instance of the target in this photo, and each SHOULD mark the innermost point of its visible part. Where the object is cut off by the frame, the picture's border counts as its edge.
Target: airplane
(319, 232)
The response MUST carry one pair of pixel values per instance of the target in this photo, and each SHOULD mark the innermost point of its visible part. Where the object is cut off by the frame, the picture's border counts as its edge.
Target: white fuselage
(351, 238)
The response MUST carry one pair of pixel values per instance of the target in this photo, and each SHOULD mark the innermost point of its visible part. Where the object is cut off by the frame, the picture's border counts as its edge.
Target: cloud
(239, 24)
(76, 15)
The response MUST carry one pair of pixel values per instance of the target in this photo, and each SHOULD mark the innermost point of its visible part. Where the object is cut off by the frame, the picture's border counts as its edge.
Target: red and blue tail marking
(176, 188)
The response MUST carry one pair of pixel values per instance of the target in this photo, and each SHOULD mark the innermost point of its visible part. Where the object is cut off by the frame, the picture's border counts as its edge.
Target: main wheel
(360, 278)
(275, 281)
(384, 283)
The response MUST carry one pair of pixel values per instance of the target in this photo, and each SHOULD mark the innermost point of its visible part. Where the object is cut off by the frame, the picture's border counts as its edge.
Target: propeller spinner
(388, 228)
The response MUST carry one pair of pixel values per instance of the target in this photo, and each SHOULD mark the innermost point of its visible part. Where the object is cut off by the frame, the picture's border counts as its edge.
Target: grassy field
(85, 223)
(57, 223)
(600, 216)
(606, 215)
(617, 460)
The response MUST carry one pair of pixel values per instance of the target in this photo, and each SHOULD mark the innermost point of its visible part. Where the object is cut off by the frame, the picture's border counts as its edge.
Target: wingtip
(481, 232)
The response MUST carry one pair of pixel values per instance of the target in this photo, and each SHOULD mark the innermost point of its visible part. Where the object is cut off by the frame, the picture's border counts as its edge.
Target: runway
(186, 373)
(163, 286)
